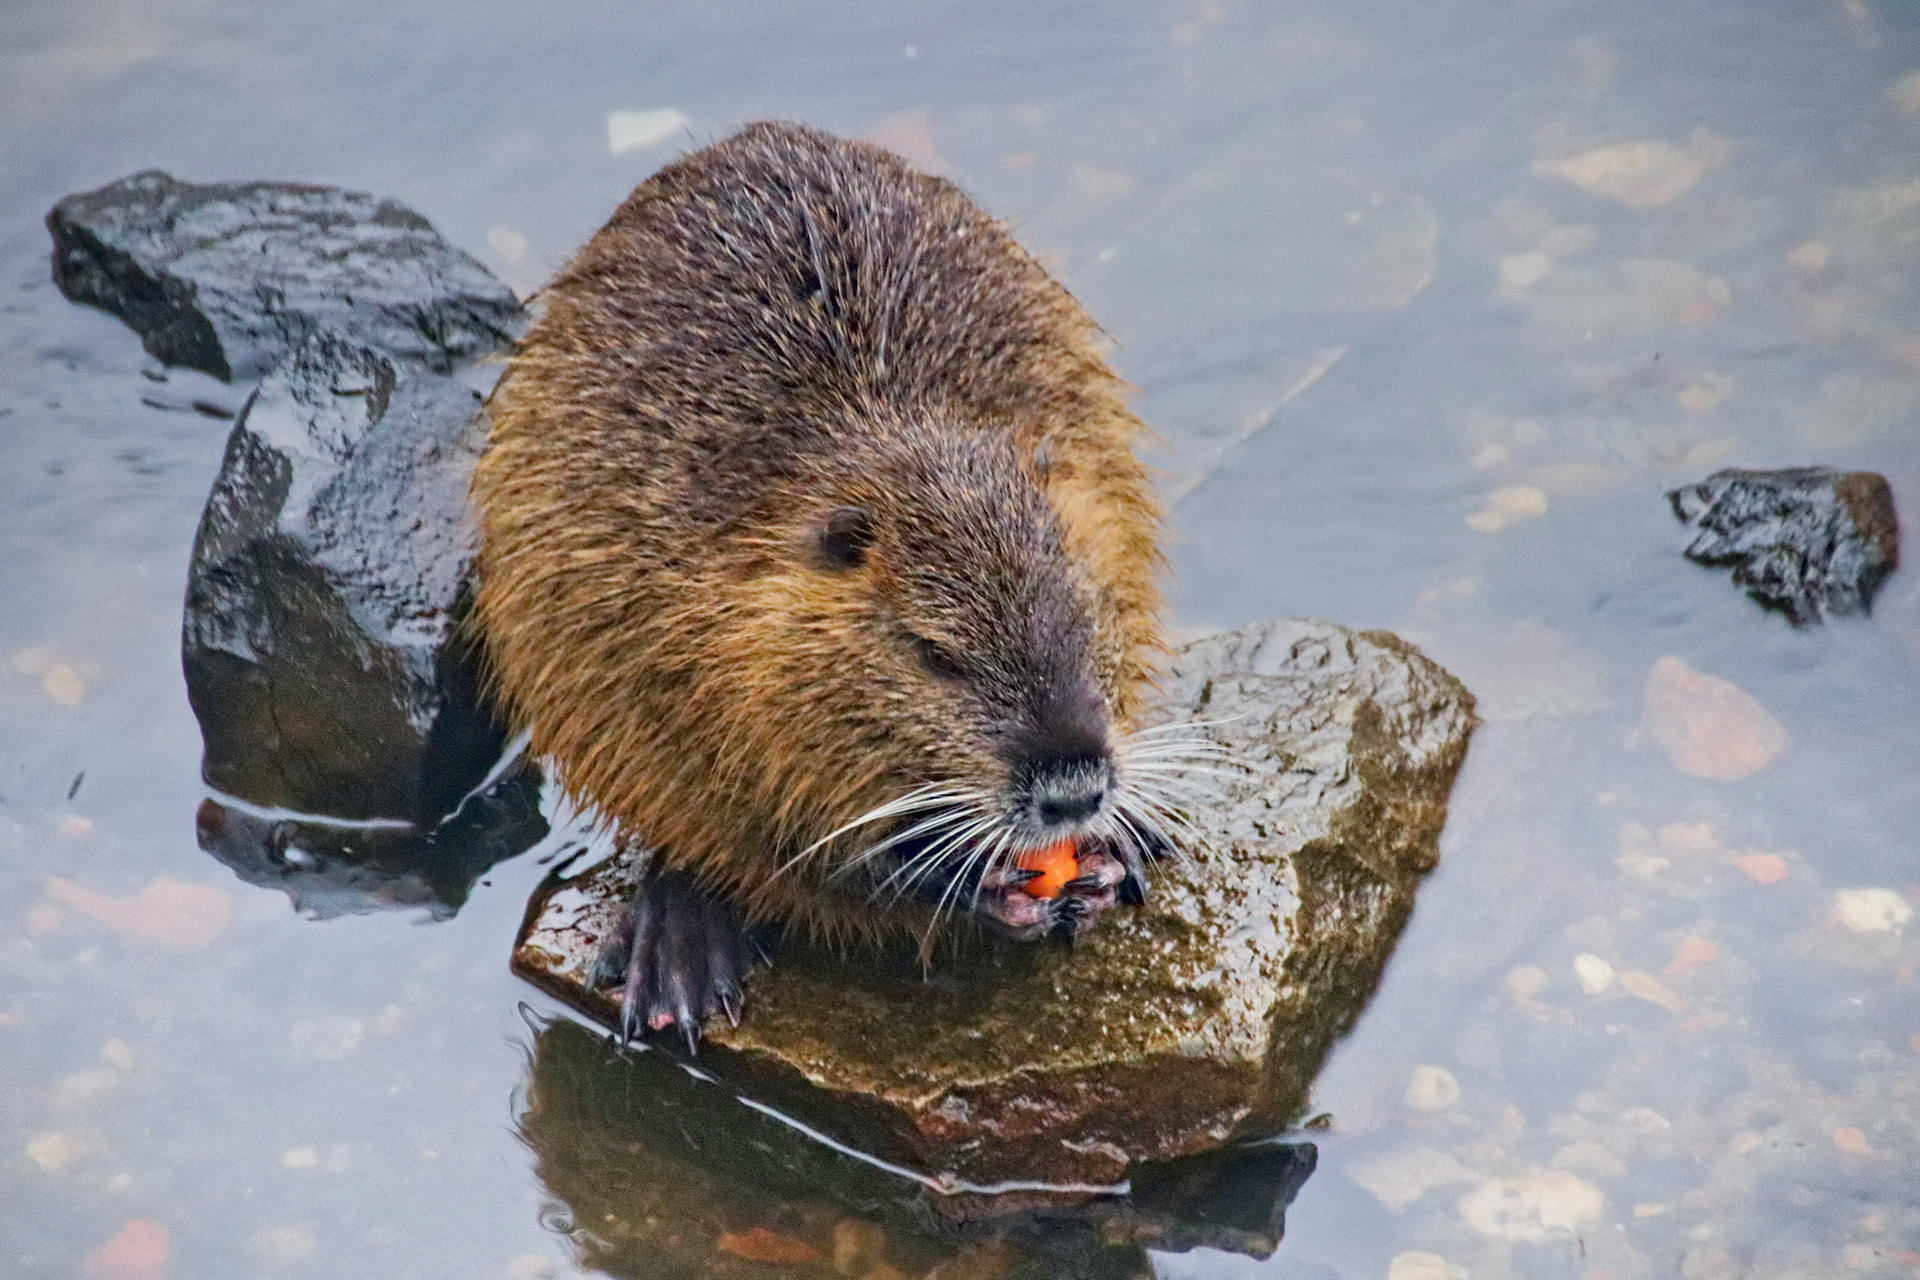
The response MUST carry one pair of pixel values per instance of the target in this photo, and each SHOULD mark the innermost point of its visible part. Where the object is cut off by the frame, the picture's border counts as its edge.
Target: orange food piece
(1056, 864)
(763, 1244)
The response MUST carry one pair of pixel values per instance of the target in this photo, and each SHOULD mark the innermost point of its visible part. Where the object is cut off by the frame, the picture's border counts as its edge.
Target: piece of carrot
(1056, 864)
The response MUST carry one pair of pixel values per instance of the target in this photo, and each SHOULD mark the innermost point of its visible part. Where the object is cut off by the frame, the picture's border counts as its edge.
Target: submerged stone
(229, 277)
(1808, 541)
(1014, 1075)
(322, 646)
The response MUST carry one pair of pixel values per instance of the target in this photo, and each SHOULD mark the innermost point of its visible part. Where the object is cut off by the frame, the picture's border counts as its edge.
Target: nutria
(815, 555)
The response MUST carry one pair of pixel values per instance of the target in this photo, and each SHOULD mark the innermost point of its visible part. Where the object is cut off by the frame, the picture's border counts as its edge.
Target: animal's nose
(1073, 795)
(1062, 759)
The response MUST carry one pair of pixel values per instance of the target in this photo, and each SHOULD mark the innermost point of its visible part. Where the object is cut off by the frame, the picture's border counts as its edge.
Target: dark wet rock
(1807, 541)
(673, 1177)
(321, 641)
(329, 870)
(228, 277)
(1189, 1024)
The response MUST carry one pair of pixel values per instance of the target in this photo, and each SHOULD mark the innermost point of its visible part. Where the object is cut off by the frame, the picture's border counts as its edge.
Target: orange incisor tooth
(1056, 864)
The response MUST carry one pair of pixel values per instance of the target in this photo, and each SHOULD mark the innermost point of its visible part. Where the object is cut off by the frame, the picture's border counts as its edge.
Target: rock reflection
(332, 870)
(663, 1173)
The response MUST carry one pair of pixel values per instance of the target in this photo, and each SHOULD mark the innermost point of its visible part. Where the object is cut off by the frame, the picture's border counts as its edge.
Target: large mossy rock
(322, 646)
(229, 277)
(1022, 1074)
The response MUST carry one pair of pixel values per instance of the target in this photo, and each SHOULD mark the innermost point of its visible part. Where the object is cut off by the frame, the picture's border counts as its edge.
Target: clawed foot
(1103, 880)
(677, 955)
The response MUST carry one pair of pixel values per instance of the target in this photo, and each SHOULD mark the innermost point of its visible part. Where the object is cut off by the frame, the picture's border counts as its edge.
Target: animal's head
(941, 685)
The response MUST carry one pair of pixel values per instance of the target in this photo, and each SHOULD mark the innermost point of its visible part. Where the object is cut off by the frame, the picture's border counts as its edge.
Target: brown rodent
(815, 555)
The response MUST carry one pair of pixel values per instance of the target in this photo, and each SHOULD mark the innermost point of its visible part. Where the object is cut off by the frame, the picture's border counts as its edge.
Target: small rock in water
(1871, 910)
(1399, 1177)
(1416, 1265)
(291, 1245)
(1174, 1028)
(326, 1039)
(1692, 952)
(229, 277)
(1761, 868)
(171, 912)
(1709, 727)
(138, 1251)
(1640, 175)
(1807, 541)
(1649, 988)
(321, 641)
(1504, 506)
(1431, 1089)
(52, 1151)
(64, 685)
(1595, 974)
(1536, 1206)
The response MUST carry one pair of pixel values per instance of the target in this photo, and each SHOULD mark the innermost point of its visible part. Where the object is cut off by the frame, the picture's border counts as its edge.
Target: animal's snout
(1063, 797)
(1062, 762)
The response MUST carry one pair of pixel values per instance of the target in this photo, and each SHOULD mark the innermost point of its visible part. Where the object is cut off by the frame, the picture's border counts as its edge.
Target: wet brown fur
(773, 327)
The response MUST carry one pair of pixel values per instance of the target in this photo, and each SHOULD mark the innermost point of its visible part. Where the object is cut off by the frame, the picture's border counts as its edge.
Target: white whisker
(1173, 726)
(923, 863)
(926, 796)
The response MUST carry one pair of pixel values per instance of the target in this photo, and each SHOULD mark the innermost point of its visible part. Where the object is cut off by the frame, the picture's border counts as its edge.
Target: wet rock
(1807, 541)
(229, 277)
(321, 642)
(1173, 1029)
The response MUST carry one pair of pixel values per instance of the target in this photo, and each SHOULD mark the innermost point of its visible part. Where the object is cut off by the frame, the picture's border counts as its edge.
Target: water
(1410, 374)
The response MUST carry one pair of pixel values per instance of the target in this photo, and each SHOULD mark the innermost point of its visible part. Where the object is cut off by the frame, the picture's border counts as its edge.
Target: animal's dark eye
(938, 659)
(845, 537)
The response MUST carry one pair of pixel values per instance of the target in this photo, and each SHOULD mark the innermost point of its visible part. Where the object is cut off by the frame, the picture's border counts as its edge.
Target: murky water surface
(1430, 303)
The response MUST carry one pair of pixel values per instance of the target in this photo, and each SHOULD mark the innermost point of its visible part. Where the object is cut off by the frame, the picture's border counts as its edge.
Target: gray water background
(1358, 301)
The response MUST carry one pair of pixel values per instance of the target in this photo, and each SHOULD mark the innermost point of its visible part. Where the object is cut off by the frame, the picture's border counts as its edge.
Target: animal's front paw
(1007, 902)
(677, 955)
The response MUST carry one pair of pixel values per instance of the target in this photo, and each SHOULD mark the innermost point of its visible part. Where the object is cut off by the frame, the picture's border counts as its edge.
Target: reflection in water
(657, 1172)
(332, 870)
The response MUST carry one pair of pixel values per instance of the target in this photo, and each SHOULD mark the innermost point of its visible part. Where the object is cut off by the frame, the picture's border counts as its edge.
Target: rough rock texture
(677, 1179)
(1807, 541)
(320, 641)
(1170, 1030)
(229, 277)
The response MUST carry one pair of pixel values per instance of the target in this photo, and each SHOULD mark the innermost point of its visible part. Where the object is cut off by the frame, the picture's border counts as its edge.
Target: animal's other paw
(677, 955)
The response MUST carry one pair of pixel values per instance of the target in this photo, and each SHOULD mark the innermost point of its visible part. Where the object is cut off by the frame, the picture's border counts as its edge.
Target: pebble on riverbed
(1709, 727)
(1808, 541)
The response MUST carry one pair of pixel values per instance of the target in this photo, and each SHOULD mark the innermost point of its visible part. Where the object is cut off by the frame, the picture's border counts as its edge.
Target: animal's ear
(844, 537)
